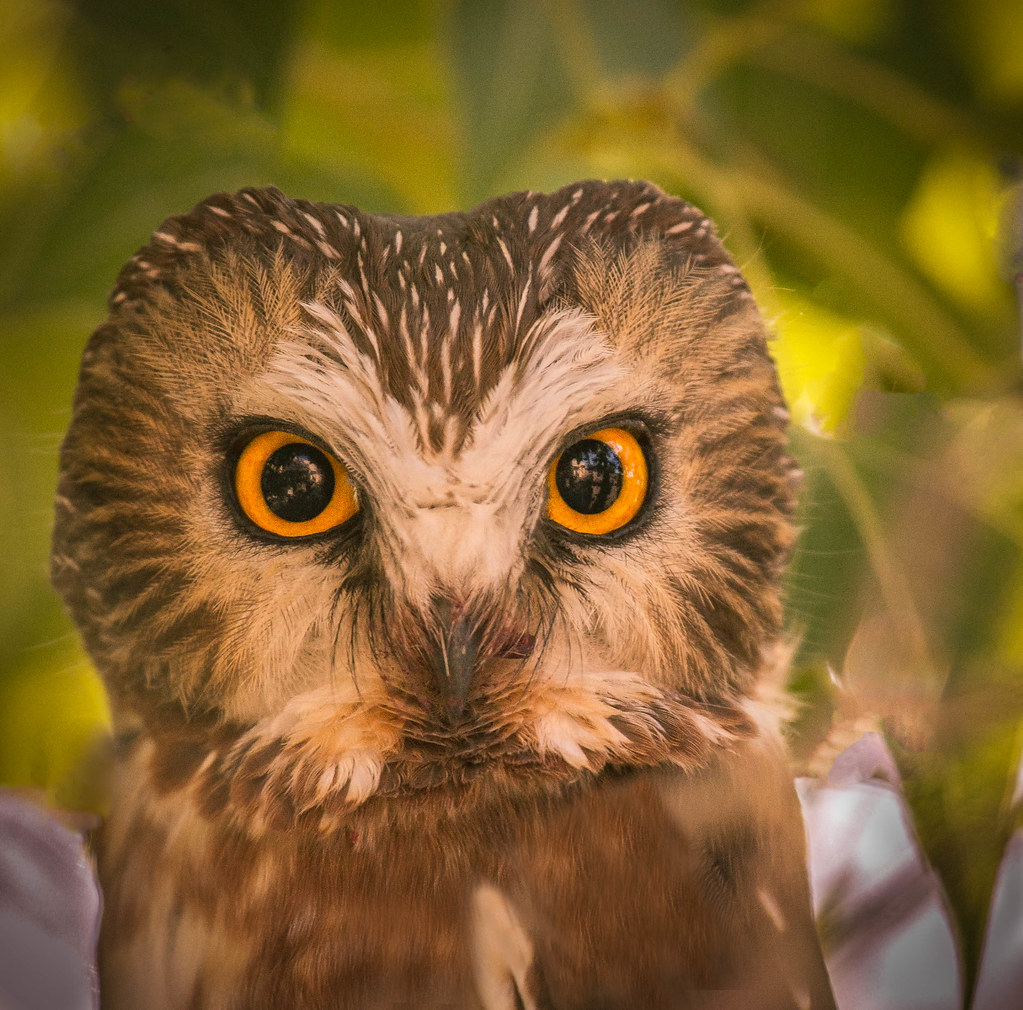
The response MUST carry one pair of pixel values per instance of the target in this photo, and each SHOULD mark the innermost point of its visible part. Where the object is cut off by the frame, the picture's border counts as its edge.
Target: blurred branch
(723, 44)
(819, 61)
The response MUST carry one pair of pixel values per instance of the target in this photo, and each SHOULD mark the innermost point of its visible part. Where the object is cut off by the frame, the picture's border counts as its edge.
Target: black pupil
(297, 482)
(589, 476)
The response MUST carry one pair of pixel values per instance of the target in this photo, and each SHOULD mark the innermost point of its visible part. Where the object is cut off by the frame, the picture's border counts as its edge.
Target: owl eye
(288, 486)
(599, 483)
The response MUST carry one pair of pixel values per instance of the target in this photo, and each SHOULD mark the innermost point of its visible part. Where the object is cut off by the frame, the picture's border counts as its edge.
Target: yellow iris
(288, 486)
(599, 483)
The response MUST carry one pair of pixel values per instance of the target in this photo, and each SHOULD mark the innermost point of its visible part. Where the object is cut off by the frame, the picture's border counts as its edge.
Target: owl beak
(464, 638)
(455, 655)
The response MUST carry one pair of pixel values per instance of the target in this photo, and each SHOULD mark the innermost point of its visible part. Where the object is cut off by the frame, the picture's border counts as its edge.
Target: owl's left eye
(288, 486)
(598, 484)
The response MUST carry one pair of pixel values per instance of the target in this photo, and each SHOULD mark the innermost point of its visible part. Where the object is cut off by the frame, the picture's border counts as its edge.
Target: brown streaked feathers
(450, 753)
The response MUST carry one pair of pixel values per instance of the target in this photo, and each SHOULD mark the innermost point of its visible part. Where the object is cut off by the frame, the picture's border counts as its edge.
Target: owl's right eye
(290, 487)
(599, 484)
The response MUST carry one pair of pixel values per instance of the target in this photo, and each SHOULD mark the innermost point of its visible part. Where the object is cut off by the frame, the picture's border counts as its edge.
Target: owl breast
(654, 888)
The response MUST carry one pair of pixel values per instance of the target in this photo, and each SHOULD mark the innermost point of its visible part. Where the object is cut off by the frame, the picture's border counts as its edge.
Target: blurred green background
(862, 158)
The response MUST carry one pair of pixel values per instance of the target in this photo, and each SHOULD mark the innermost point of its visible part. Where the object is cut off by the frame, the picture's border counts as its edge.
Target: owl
(432, 567)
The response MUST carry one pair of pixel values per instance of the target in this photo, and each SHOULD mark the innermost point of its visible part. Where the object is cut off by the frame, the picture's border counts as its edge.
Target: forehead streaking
(440, 304)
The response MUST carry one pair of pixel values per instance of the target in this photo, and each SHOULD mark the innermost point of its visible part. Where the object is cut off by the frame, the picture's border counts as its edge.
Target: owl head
(523, 458)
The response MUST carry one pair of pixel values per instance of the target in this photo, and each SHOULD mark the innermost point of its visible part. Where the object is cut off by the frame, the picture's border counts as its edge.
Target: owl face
(436, 467)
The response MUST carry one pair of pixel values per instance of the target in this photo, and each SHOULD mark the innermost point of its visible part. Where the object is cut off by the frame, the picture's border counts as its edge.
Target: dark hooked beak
(455, 655)
(463, 640)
